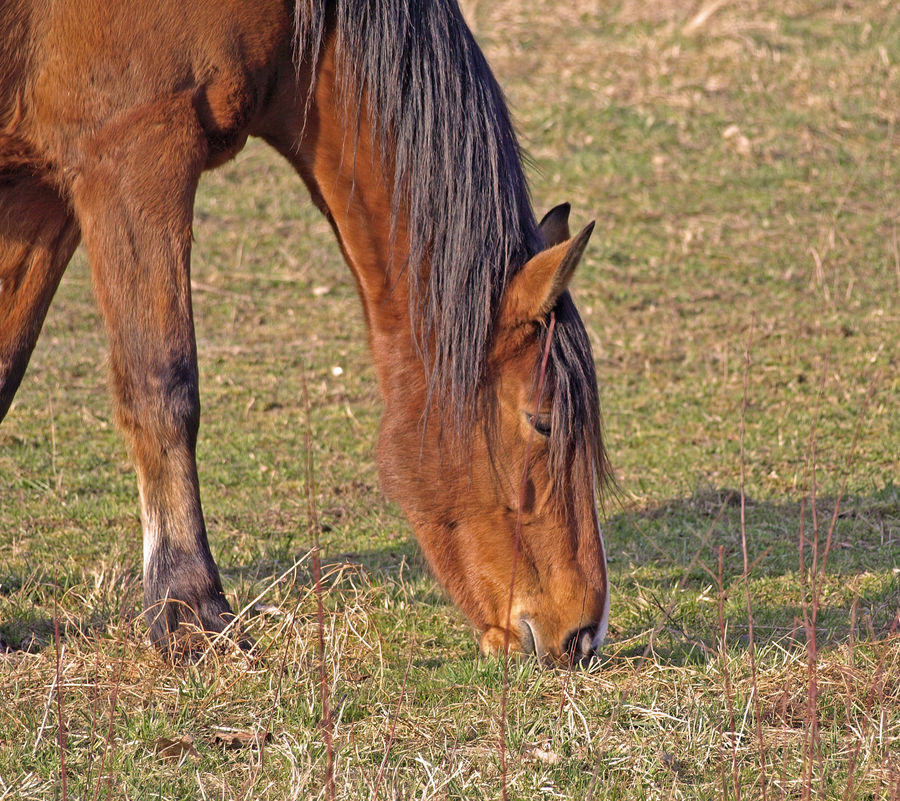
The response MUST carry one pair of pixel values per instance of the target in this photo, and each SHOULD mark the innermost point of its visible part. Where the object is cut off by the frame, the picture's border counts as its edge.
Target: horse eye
(540, 423)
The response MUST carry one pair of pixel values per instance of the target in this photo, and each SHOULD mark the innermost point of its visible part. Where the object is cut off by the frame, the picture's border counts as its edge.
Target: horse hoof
(184, 632)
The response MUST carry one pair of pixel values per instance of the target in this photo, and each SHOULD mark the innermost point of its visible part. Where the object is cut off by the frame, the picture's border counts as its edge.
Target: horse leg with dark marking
(37, 238)
(134, 197)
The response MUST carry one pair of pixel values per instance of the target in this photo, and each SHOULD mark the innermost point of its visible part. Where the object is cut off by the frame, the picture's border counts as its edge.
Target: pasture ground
(742, 161)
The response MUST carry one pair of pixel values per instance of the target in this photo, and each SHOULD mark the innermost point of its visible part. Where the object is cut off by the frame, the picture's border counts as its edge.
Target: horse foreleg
(134, 197)
(37, 238)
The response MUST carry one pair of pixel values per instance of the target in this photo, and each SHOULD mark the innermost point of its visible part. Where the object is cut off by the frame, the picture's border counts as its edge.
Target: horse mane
(458, 178)
(457, 168)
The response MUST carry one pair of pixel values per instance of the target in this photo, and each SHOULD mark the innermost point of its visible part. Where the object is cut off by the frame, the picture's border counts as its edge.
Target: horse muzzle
(576, 648)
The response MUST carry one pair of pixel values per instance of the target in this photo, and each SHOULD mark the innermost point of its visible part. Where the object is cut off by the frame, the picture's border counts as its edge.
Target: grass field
(742, 160)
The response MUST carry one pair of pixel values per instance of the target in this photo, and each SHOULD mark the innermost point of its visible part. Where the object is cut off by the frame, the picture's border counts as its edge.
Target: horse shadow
(664, 571)
(677, 565)
(38, 617)
(664, 566)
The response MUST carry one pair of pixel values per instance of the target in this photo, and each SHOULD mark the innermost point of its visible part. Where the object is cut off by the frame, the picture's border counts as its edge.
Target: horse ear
(533, 291)
(555, 225)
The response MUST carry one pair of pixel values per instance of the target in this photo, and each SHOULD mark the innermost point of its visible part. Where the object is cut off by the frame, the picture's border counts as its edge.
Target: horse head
(509, 521)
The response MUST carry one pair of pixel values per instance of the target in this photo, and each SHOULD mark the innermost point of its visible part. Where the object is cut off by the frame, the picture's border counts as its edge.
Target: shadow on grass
(664, 564)
(29, 626)
(662, 561)
(28, 613)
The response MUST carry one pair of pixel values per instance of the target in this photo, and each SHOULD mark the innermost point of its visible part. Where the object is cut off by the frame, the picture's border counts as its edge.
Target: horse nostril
(526, 631)
(579, 645)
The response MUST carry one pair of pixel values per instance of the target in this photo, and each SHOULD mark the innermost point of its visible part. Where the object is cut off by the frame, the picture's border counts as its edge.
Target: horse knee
(159, 399)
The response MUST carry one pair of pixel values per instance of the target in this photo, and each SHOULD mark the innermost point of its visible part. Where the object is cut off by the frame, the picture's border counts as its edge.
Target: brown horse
(109, 113)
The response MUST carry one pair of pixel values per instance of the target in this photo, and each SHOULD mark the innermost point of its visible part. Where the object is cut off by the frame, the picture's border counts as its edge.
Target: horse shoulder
(93, 63)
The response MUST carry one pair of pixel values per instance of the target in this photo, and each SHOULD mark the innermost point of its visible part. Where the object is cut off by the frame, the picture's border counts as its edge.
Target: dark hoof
(184, 630)
(184, 605)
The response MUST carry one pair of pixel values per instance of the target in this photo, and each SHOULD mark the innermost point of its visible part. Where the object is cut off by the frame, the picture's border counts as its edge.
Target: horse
(390, 115)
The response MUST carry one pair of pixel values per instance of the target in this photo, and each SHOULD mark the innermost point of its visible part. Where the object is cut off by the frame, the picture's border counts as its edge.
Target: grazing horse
(110, 112)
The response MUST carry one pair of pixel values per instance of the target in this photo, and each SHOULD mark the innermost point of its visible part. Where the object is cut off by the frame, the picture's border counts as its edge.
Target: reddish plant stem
(512, 581)
(95, 702)
(695, 560)
(110, 744)
(313, 524)
(818, 570)
(753, 674)
(810, 591)
(729, 698)
(787, 752)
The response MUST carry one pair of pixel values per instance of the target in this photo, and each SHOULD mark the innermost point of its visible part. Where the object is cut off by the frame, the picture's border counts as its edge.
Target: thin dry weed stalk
(63, 779)
(896, 253)
(326, 722)
(813, 577)
(95, 701)
(729, 697)
(809, 578)
(634, 670)
(313, 525)
(682, 583)
(109, 743)
(396, 717)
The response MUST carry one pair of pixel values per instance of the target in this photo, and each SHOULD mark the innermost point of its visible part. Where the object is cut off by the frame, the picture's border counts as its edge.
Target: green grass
(744, 175)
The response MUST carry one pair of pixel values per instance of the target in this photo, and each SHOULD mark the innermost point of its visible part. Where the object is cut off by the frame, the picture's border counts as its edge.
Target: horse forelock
(438, 115)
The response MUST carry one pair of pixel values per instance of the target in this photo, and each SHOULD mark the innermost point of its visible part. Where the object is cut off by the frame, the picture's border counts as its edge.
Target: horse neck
(331, 145)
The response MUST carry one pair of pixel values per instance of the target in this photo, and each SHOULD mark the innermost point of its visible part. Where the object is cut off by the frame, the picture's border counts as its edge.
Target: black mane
(459, 179)
(458, 168)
